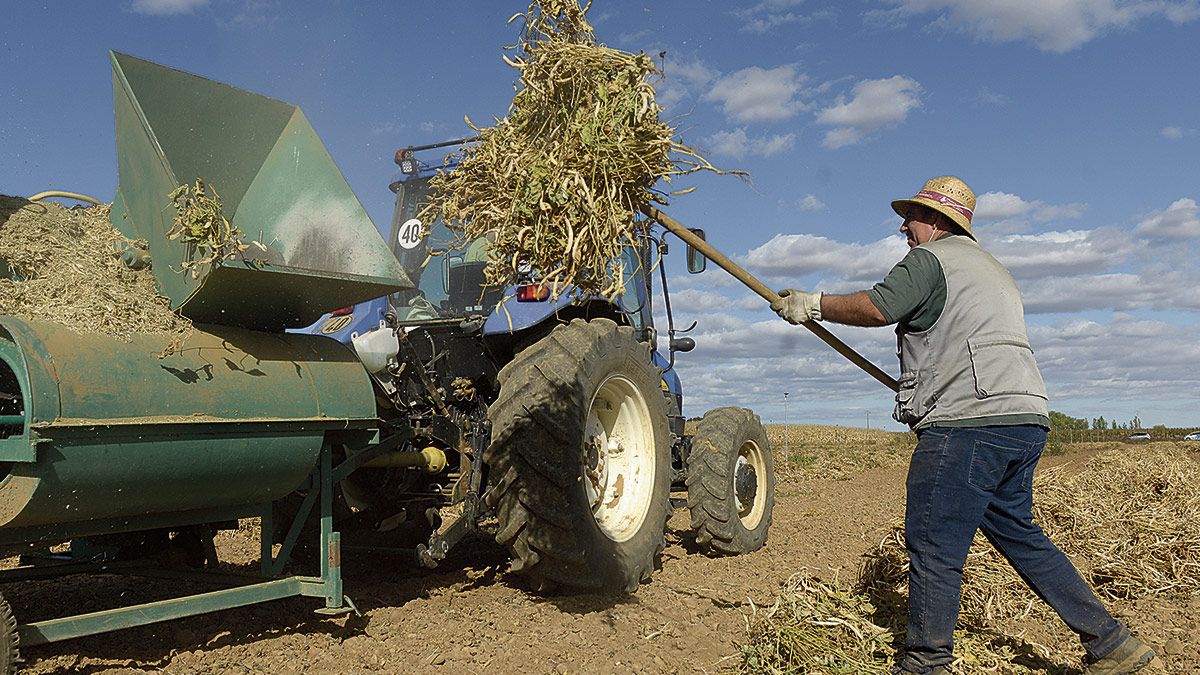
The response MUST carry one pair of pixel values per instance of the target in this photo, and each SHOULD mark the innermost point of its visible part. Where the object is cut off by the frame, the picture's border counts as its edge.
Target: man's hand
(798, 306)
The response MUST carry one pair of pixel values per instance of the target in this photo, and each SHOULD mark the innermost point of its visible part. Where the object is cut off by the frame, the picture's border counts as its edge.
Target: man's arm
(855, 309)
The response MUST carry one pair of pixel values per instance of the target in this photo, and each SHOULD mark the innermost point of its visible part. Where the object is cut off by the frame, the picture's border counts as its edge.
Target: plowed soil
(472, 616)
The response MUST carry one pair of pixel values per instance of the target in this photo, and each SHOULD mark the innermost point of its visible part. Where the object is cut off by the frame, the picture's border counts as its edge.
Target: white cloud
(765, 16)
(1005, 205)
(681, 81)
(811, 203)
(1122, 359)
(739, 144)
(1058, 26)
(788, 256)
(1049, 254)
(1177, 133)
(1181, 220)
(166, 7)
(759, 95)
(874, 104)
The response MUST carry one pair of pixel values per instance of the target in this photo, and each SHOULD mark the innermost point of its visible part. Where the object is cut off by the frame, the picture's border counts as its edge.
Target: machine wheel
(581, 459)
(731, 482)
(8, 639)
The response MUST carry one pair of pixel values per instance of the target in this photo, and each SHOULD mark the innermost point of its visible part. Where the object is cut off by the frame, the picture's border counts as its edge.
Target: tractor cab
(449, 277)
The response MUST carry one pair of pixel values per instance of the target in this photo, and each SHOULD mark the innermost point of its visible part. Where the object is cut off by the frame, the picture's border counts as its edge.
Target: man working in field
(970, 388)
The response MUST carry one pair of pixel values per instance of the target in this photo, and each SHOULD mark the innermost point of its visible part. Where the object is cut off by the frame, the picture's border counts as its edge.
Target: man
(970, 388)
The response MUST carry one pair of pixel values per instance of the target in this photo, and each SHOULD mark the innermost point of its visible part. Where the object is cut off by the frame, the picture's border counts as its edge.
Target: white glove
(798, 306)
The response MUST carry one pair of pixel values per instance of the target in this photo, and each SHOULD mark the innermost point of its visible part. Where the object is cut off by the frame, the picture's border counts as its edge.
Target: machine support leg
(267, 537)
(331, 544)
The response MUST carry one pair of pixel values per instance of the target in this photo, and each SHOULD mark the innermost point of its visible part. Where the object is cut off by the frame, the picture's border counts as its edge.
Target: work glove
(798, 306)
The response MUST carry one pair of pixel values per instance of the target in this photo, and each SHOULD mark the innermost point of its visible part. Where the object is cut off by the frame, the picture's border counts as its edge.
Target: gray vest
(975, 361)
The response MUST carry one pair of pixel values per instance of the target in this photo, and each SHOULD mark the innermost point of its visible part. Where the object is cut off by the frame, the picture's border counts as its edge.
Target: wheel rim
(619, 458)
(749, 484)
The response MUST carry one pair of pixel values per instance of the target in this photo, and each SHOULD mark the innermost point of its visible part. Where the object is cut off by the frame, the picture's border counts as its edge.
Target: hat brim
(956, 217)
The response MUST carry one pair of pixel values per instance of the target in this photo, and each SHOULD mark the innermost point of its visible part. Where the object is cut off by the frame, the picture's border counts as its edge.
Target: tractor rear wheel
(731, 482)
(580, 457)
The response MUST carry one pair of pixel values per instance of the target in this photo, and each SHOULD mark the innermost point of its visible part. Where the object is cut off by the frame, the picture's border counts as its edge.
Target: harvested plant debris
(558, 184)
(824, 629)
(1130, 521)
(60, 265)
(201, 225)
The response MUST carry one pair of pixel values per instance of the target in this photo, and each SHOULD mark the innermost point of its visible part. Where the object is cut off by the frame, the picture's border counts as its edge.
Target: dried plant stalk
(202, 226)
(558, 184)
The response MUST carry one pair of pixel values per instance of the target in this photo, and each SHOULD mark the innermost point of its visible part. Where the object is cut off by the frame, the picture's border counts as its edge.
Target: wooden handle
(767, 294)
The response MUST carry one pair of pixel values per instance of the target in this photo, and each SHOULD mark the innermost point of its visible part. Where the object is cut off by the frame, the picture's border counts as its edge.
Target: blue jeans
(963, 479)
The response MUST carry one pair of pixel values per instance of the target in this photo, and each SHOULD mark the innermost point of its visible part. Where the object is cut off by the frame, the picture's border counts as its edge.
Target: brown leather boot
(1129, 657)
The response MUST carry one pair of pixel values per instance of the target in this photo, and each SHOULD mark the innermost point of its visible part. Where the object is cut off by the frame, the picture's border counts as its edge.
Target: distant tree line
(1064, 422)
(1067, 429)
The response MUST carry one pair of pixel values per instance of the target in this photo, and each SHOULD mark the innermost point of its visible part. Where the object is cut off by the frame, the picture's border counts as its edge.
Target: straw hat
(948, 196)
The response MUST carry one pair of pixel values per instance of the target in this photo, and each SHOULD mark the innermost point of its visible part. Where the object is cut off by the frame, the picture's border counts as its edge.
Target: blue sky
(1076, 121)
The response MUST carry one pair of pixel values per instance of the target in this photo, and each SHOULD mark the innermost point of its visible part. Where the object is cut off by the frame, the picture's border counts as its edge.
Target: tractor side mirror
(696, 262)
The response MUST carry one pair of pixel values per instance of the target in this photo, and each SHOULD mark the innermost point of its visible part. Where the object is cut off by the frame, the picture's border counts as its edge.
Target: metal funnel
(278, 184)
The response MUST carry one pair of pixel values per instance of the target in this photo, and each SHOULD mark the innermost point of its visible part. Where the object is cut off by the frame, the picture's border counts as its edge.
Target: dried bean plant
(557, 185)
(202, 226)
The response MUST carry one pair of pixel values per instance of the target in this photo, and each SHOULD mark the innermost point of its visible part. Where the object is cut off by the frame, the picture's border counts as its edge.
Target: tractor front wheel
(731, 482)
(580, 458)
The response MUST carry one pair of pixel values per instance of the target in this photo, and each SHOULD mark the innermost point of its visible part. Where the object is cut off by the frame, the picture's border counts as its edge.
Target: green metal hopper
(278, 184)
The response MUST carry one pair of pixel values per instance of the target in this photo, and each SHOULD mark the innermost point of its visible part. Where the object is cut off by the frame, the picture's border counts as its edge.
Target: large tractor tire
(731, 482)
(580, 459)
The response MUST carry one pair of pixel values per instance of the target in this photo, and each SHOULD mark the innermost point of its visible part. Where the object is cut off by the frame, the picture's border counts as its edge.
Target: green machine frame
(245, 590)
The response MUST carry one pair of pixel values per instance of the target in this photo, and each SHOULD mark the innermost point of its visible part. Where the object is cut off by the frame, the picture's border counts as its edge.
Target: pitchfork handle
(769, 295)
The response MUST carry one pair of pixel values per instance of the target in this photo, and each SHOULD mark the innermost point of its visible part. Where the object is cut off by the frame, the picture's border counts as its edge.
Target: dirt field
(472, 616)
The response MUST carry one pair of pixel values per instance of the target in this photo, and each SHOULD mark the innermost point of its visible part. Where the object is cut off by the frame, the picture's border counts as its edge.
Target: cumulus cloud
(1005, 205)
(794, 255)
(739, 144)
(166, 7)
(1050, 26)
(1123, 358)
(1055, 253)
(1181, 220)
(757, 94)
(874, 104)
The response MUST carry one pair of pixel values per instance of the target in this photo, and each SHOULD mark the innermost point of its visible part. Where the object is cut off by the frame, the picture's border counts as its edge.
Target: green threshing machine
(565, 432)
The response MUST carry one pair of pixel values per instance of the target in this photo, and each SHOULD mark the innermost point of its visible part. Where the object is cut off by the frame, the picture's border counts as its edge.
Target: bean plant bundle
(558, 184)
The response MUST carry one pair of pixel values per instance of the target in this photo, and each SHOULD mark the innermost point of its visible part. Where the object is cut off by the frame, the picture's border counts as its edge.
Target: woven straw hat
(948, 196)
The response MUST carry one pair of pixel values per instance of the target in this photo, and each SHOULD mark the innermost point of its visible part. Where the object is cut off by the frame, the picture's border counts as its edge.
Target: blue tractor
(560, 416)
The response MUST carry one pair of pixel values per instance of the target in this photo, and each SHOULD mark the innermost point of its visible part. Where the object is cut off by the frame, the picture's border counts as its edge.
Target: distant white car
(1194, 436)
(1139, 436)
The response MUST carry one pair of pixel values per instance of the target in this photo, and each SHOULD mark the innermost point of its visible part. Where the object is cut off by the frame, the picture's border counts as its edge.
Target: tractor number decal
(410, 234)
(335, 323)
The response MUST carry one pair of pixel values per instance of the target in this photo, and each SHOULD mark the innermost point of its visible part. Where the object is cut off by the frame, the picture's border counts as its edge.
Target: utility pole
(868, 419)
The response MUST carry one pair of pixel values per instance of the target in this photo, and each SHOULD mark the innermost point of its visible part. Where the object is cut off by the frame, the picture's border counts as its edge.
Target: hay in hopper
(557, 184)
(59, 265)
(1130, 520)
